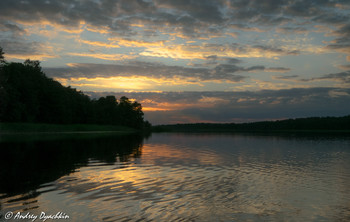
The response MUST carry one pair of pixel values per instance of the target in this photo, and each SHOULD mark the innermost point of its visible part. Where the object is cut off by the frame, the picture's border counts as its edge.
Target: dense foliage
(27, 95)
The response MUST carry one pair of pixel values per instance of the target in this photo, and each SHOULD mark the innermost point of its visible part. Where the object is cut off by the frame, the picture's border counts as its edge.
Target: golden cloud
(42, 57)
(104, 56)
(205, 50)
(136, 43)
(99, 44)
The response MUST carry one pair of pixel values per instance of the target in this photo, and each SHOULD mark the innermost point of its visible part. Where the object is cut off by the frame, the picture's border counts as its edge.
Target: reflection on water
(178, 177)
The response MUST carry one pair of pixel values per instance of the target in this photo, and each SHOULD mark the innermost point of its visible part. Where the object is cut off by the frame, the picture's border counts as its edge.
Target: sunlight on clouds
(204, 102)
(103, 56)
(136, 43)
(205, 50)
(135, 83)
(215, 100)
(98, 29)
(41, 57)
(257, 84)
(163, 106)
(47, 27)
(262, 85)
(100, 44)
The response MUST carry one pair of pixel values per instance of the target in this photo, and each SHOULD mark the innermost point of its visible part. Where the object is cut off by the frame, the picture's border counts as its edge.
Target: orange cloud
(100, 44)
(119, 82)
(136, 43)
(41, 57)
(103, 56)
(34, 27)
(100, 30)
(125, 83)
(204, 102)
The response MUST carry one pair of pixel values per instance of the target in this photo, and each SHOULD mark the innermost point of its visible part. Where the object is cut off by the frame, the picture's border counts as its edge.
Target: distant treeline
(27, 95)
(312, 124)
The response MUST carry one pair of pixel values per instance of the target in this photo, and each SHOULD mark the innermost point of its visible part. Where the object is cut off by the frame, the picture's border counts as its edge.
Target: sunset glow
(212, 61)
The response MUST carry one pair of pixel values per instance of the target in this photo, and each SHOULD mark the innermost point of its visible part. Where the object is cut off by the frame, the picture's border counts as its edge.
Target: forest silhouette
(29, 96)
(310, 124)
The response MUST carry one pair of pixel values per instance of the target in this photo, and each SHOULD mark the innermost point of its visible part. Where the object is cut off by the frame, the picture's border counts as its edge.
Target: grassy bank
(47, 128)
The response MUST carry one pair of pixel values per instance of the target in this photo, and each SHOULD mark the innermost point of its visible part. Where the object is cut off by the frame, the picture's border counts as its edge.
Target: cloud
(177, 107)
(103, 56)
(136, 43)
(128, 23)
(154, 71)
(292, 30)
(290, 77)
(344, 67)
(14, 29)
(151, 70)
(187, 18)
(17, 49)
(277, 69)
(99, 44)
(342, 77)
(204, 10)
(234, 50)
(342, 42)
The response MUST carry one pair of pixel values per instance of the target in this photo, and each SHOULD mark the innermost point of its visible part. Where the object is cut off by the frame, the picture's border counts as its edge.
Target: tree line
(300, 124)
(28, 95)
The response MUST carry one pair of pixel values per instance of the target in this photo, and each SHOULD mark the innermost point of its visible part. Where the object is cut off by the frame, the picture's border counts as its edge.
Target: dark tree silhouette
(27, 95)
(311, 124)
(2, 58)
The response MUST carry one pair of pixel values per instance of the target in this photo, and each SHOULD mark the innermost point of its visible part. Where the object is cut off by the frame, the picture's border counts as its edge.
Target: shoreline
(43, 128)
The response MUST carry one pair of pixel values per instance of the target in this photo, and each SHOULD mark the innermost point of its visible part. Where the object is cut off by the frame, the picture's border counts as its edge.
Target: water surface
(179, 177)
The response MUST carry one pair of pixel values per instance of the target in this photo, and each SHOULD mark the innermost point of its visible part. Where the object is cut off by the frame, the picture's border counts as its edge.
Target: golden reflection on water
(195, 178)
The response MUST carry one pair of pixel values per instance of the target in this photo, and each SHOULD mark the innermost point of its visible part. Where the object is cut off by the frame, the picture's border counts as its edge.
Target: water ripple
(237, 181)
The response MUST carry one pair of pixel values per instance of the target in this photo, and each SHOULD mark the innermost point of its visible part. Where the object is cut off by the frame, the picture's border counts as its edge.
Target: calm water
(177, 177)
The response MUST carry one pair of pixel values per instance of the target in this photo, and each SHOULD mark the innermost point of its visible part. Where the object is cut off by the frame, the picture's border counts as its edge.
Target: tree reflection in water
(26, 164)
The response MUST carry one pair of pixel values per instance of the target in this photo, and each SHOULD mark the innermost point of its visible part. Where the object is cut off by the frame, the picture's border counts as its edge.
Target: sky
(192, 61)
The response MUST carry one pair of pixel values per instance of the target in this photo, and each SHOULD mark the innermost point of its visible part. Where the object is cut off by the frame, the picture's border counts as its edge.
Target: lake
(175, 177)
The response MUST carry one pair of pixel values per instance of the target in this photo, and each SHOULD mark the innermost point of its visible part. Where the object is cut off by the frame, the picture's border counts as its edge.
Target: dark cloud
(342, 42)
(153, 70)
(291, 30)
(232, 60)
(18, 47)
(13, 28)
(278, 69)
(191, 18)
(221, 72)
(286, 77)
(276, 50)
(201, 10)
(243, 106)
(343, 77)
(277, 105)
(216, 60)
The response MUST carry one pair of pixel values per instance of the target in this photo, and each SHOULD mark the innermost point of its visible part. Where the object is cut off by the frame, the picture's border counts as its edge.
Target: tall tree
(2, 58)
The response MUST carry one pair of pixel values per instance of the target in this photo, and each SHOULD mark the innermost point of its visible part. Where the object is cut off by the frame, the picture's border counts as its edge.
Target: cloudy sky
(192, 60)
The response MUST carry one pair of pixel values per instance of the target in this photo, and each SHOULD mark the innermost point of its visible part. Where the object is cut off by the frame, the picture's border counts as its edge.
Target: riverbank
(300, 125)
(170, 129)
(10, 128)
